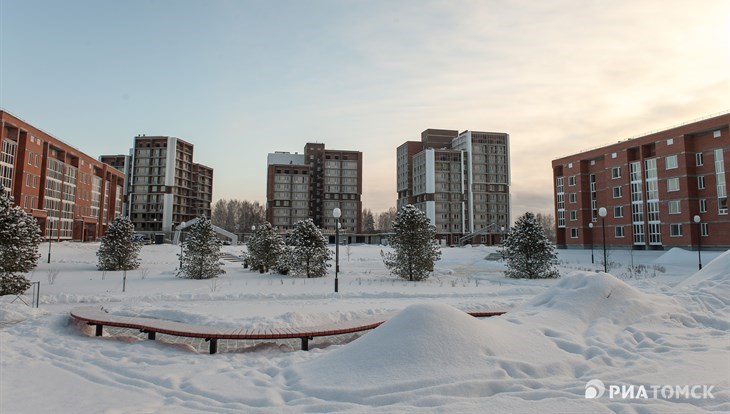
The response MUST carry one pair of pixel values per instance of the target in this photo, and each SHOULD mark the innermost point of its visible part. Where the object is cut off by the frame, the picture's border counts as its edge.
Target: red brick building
(312, 185)
(652, 188)
(72, 195)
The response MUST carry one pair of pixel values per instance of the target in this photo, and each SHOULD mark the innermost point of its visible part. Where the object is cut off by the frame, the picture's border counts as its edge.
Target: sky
(241, 79)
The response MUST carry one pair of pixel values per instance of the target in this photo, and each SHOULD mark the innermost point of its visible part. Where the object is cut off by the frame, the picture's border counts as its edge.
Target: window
(716, 134)
(573, 198)
(670, 141)
(672, 184)
(573, 233)
(675, 230)
(613, 155)
(618, 231)
(573, 215)
(671, 162)
(701, 182)
(703, 205)
(699, 159)
(571, 180)
(704, 229)
(618, 211)
(616, 192)
(616, 172)
(674, 207)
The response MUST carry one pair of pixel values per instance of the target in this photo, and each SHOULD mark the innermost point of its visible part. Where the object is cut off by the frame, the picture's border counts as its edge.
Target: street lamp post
(602, 212)
(50, 239)
(181, 247)
(590, 226)
(337, 213)
(698, 220)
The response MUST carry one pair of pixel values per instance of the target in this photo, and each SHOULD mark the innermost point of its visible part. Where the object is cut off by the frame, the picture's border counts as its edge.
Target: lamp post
(698, 220)
(602, 212)
(590, 226)
(181, 247)
(50, 239)
(337, 213)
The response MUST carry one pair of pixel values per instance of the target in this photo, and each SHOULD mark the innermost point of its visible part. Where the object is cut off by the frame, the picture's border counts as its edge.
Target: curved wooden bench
(99, 317)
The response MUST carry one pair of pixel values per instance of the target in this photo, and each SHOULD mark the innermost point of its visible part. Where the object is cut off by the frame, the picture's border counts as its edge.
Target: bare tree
(368, 221)
(547, 222)
(384, 221)
(237, 216)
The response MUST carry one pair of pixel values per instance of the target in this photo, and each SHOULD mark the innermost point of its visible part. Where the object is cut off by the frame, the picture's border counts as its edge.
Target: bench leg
(213, 346)
(99, 330)
(305, 343)
(151, 335)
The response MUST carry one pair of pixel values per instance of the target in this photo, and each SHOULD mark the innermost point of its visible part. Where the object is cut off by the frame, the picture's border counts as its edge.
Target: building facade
(652, 188)
(166, 187)
(312, 185)
(70, 194)
(460, 180)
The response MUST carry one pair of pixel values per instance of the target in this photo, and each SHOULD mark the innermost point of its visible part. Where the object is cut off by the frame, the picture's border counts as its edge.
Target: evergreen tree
(118, 249)
(528, 251)
(308, 254)
(265, 248)
(201, 252)
(20, 236)
(416, 249)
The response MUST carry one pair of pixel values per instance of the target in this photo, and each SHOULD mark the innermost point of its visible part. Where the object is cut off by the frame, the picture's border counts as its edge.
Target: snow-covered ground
(665, 328)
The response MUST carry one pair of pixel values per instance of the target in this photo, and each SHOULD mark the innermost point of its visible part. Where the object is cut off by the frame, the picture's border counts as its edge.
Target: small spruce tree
(416, 249)
(201, 252)
(20, 236)
(308, 252)
(265, 248)
(528, 251)
(118, 249)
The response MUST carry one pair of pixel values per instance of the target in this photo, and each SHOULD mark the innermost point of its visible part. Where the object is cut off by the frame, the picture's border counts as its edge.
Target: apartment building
(70, 194)
(652, 188)
(166, 187)
(460, 180)
(312, 185)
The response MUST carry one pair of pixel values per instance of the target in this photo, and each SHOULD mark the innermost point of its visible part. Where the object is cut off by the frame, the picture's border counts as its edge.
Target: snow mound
(717, 270)
(586, 296)
(676, 256)
(421, 342)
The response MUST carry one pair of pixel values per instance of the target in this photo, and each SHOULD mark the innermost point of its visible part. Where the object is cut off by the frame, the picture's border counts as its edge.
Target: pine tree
(416, 249)
(118, 249)
(308, 253)
(20, 236)
(265, 248)
(528, 251)
(201, 252)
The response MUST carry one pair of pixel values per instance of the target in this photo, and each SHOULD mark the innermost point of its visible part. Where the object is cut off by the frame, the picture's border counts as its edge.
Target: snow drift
(574, 328)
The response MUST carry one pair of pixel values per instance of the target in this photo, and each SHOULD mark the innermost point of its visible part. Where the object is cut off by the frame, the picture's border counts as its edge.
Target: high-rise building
(166, 187)
(460, 180)
(70, 194)
(652, 187)
(312, 185)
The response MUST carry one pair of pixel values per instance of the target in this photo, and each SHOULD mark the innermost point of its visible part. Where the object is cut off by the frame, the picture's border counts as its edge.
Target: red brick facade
(652, 188)
(72, 195)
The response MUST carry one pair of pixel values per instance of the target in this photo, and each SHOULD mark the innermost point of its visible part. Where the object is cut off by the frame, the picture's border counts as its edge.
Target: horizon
(244, 79)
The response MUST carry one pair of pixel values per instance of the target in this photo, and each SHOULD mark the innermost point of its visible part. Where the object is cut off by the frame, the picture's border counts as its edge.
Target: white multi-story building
(461, 181)
(166, 187)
